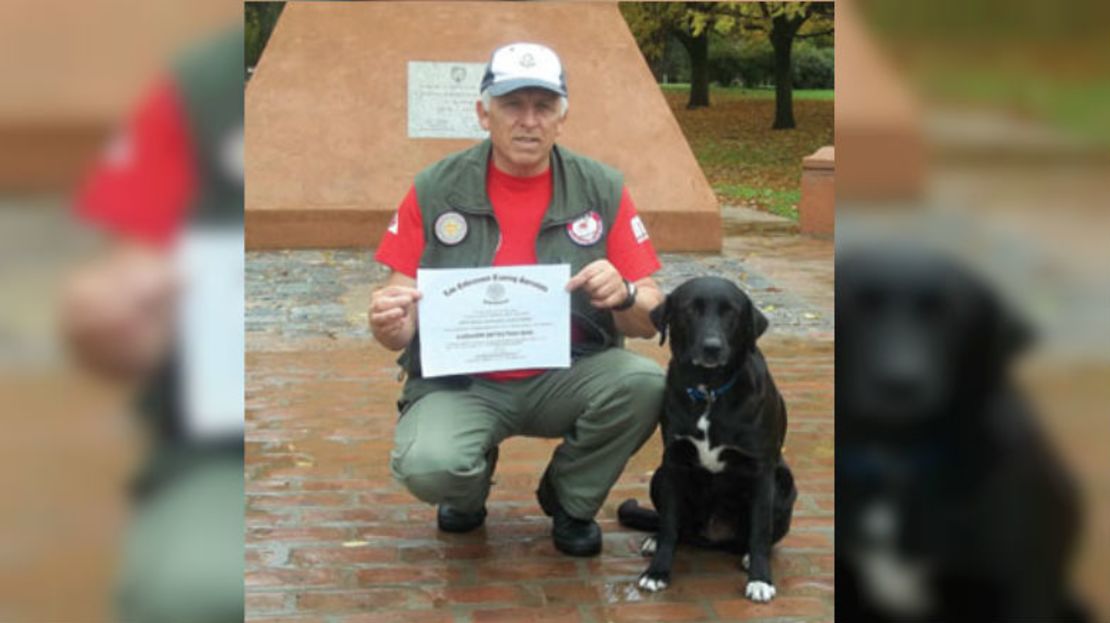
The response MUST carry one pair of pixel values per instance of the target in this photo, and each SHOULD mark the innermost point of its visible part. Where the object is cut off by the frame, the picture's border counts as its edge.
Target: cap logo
(586, 230)
(527, 60)
(450, 228)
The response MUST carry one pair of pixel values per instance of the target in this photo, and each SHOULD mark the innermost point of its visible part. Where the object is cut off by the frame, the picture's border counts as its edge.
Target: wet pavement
(332, 538)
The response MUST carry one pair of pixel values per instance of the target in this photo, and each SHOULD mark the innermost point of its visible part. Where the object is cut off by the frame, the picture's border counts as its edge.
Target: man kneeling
(518, 198)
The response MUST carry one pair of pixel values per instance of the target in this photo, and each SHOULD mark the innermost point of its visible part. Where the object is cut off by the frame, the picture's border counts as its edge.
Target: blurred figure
(974, 131)
(172, 177)
(951, 504)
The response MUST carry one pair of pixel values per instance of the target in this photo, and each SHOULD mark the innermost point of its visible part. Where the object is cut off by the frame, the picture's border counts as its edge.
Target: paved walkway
(331, 537)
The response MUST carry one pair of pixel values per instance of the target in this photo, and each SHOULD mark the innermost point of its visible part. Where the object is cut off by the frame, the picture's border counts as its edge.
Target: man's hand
(118, 312)
(393, 312)
(602, 282)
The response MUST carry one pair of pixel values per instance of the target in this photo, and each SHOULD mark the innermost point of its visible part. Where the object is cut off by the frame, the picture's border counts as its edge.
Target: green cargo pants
(604, 407)
(183, 558)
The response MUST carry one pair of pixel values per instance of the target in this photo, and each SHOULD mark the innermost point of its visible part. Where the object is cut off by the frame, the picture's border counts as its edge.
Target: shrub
(813, 66)
(746, 63)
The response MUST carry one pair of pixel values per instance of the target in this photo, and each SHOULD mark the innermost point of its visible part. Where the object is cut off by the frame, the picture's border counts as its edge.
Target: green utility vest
(456, 187)
(209, 79)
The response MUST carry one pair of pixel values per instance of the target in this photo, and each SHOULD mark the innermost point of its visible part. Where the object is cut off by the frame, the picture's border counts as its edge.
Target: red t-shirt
(143, 183)
(519, 204)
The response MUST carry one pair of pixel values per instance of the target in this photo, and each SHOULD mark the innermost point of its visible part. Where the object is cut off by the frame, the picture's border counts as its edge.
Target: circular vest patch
(451, 228)
(586, 230)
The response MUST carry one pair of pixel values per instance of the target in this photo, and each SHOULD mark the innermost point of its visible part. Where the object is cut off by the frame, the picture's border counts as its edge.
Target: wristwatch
(629, 300)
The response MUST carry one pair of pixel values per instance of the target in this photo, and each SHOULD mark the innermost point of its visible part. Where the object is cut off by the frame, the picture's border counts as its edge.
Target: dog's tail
(632, 515)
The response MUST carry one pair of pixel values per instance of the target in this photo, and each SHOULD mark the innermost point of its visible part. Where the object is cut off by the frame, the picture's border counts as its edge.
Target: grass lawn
(757, 93)
(745, 161)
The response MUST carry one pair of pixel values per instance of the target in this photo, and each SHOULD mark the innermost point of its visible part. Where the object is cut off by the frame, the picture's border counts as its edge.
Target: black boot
(450, 520)
(572, 536)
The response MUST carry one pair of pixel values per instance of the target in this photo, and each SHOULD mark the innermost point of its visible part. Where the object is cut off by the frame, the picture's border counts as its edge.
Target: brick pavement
(331, 538)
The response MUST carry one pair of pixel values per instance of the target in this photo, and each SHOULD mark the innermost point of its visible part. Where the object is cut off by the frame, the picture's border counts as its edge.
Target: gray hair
(564, 105)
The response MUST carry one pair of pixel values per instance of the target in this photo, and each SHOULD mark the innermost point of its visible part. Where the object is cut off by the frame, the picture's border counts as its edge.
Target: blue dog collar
(703, 394)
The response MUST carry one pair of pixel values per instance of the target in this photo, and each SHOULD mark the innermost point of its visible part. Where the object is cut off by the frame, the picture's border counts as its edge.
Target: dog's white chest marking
(710, 458)
(894, 582)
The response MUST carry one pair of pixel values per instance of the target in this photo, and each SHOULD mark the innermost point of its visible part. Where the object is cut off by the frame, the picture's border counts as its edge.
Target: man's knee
(434, 473)
(182, 596)
(640, 390)
(183, 561)
(629, 402)
(645, 396)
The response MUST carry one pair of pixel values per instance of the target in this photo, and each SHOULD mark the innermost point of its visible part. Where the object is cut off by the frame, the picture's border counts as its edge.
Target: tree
(259, 20)
(691, 22)
(785, 22)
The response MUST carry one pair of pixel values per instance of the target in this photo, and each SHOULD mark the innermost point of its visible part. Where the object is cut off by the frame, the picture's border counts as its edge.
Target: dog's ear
(1011, 334)
(759, 323)
(660, 317)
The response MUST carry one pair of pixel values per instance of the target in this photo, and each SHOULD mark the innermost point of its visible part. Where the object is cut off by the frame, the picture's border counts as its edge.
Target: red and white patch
(393, 224)
(638, 229)
(120, 151)
(586, 230)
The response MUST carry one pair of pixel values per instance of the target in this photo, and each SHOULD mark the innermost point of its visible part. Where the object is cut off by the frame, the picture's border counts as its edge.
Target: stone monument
(351, 100)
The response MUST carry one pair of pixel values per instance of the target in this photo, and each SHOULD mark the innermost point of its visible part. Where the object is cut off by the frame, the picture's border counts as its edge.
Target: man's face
(523, 126)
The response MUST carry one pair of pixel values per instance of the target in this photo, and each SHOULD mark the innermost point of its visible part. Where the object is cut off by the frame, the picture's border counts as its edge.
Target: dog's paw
(653, 582)
(746, 562)
(647, 547)
(759, 591)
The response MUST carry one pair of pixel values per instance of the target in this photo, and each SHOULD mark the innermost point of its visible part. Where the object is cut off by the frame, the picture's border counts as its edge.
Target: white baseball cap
(521, 65)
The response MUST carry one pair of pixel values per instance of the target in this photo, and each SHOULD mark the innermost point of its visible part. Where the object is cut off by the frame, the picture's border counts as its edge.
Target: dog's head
(917, 335)
(711, 322)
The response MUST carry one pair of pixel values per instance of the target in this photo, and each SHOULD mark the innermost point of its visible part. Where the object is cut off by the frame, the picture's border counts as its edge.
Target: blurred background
(73, 77)
(980, 129)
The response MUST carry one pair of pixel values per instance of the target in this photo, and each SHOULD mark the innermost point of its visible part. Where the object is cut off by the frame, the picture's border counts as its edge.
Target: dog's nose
(900, 388)
(712, 346)
(903, 385)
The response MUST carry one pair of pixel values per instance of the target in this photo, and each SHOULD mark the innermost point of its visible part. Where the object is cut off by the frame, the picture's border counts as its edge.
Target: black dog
(950, 504)
(723, 482)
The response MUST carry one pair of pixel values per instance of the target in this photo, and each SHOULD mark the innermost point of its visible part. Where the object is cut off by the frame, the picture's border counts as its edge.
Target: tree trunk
(698, 47)
(782, 40)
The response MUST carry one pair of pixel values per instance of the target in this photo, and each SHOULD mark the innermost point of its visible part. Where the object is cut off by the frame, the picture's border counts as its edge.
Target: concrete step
(742, 220)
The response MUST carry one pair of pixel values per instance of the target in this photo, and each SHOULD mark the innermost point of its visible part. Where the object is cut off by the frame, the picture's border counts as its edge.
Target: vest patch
(120, 151)
(638, 229)
(393, 224)
(451, 228)
(586, 230)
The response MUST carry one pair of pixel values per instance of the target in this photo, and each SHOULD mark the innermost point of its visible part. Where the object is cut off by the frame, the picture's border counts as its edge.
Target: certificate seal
(495, 294)
(451, 228)
(586, 230)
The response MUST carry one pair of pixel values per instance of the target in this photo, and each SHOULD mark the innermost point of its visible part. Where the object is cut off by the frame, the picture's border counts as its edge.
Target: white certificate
(211, 331)
(493, 319)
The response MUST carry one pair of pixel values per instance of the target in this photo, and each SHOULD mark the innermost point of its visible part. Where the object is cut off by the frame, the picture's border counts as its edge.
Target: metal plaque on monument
(441, 99)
